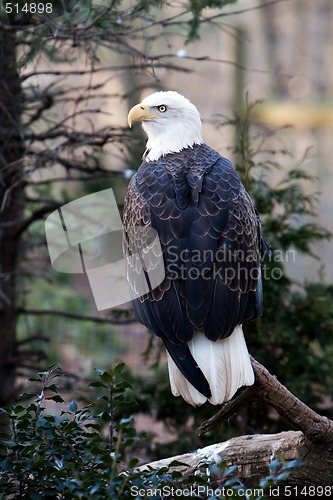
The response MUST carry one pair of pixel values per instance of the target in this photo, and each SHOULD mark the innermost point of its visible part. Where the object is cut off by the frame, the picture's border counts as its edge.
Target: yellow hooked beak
(140, 112)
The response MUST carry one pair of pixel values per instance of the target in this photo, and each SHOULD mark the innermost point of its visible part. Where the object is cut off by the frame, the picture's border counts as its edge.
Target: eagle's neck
(163, 140)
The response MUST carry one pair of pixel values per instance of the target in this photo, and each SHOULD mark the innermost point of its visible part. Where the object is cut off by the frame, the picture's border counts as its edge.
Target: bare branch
(267, 389)
(36, 215)
(122, 67)
(80, 317)
(33, 338)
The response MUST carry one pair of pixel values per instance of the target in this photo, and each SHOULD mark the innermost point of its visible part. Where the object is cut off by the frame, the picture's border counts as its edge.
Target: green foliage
(73, 21)
(76, 452)
(280, 470)
(59, 296)
(66, 453)
(196, 8)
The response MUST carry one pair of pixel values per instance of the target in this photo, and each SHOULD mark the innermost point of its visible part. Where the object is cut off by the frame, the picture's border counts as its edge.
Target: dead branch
(113, 320)
(253, 454)
(267, 389)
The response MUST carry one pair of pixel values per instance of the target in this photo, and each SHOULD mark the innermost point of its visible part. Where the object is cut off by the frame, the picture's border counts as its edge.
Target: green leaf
(105, 376)
(72, 407)
(52, 387)
(282, 476)
(292, 464)
(123, 385)
(56, 398)
(133, 463)
(97, 384)
(275, 465)
(119, 369)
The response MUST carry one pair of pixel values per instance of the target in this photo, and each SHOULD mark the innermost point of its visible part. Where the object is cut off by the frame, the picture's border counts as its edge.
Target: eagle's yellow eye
(162, 108)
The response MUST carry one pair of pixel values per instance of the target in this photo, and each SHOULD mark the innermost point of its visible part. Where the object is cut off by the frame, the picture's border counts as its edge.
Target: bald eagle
(210, 235)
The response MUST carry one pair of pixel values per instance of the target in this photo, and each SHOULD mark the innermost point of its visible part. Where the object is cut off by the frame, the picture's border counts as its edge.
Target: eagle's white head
(171, 122)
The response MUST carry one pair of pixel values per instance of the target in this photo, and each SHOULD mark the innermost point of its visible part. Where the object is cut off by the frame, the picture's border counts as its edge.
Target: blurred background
(96, 62)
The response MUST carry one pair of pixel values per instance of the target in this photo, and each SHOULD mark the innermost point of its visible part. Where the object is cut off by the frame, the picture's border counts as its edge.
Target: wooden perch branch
(312, 442)
(268, 389)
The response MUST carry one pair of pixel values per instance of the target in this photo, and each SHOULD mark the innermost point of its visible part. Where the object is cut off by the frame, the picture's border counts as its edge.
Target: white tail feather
(225, 363)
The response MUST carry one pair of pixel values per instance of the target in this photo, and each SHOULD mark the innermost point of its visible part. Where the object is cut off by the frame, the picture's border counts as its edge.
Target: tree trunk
(11, 205)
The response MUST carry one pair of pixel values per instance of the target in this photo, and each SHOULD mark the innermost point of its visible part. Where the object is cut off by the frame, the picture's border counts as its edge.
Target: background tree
(51, 131)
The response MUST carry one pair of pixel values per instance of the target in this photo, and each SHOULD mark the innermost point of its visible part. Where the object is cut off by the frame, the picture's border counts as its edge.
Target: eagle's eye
(162, 108)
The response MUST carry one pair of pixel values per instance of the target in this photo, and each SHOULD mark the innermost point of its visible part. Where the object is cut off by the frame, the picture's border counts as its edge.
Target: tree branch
(123, 67)
(81, 317)
(36, 215)
(312, 443)
(268, 390)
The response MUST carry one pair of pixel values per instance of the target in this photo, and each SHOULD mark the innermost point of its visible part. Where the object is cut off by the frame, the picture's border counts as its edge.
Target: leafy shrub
(80, 453)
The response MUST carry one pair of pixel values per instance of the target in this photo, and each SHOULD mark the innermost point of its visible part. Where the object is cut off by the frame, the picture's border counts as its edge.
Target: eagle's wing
(210, 239)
